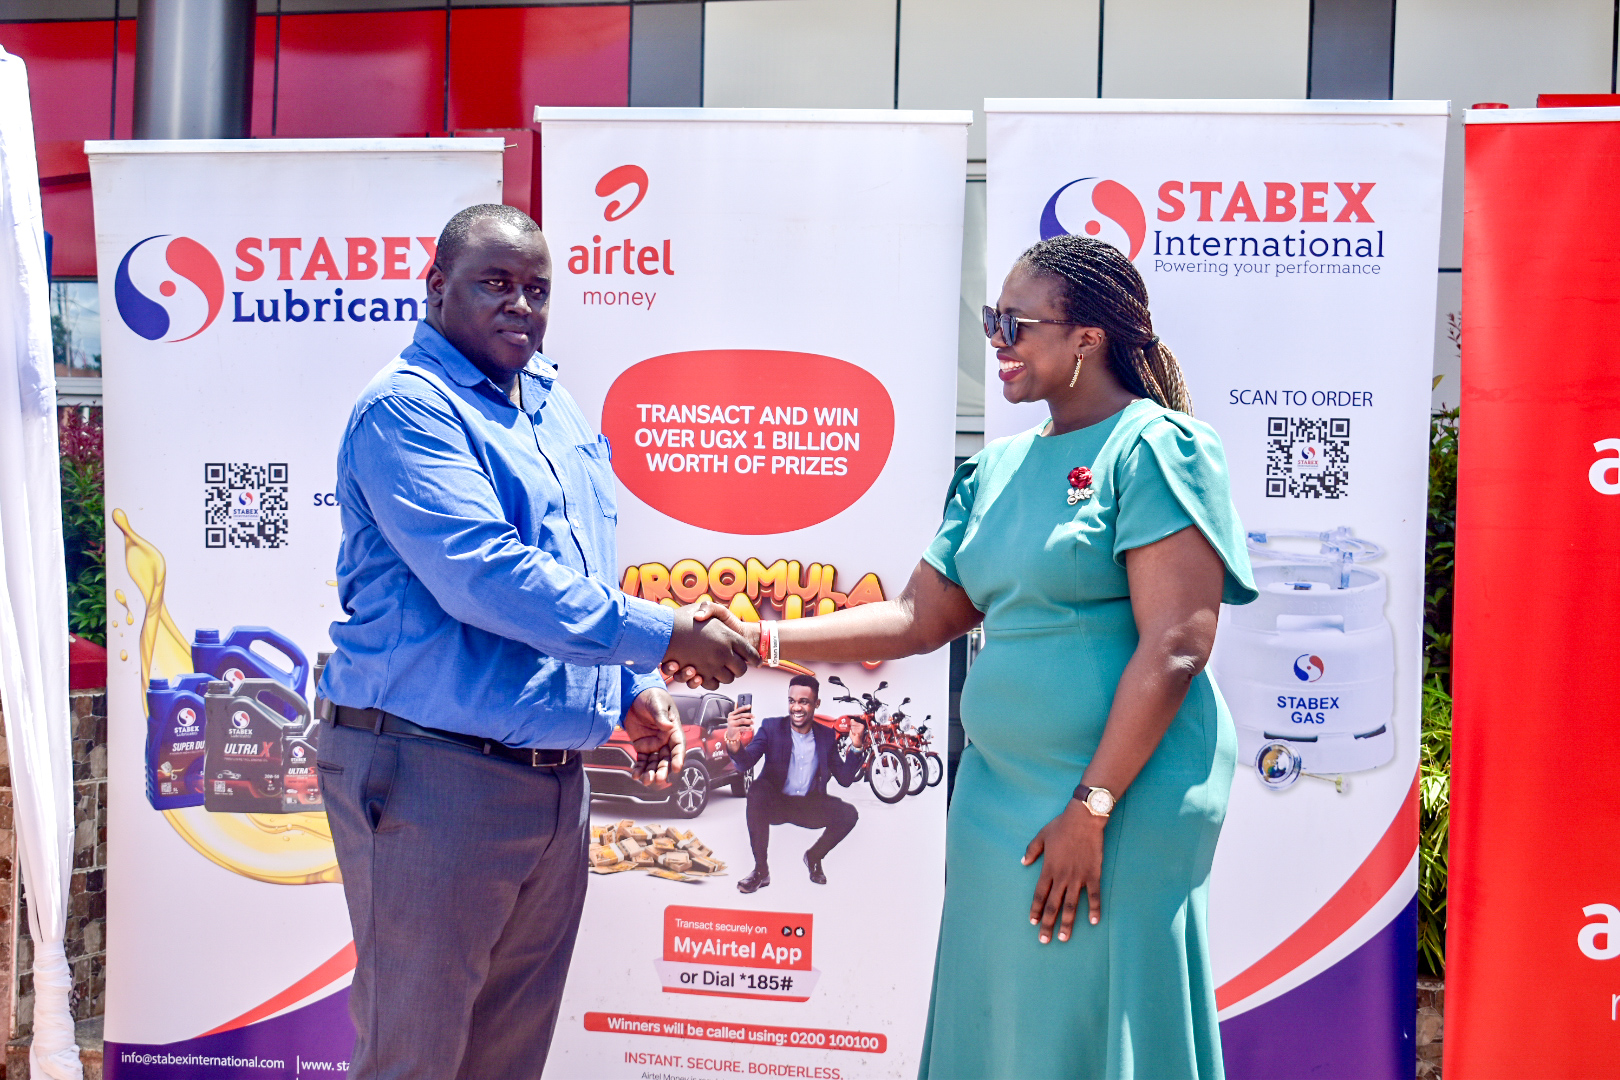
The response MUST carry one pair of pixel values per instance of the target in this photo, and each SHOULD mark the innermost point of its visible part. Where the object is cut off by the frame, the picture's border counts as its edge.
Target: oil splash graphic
(280, 849)
(118, 594)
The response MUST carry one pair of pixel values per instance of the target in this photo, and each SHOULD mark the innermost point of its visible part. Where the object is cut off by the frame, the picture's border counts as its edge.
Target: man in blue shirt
(801, 756)
(486, 645)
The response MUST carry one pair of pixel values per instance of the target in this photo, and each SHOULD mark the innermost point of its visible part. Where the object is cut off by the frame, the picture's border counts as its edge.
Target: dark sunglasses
(1008, 324)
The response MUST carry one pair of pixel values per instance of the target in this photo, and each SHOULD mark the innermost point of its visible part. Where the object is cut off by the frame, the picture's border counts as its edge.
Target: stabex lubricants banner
(1289, 252)
(249, 290)
(760, 308)
(1533, 953)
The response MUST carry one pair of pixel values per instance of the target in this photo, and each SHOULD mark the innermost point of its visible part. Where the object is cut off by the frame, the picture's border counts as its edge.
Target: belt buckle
(536, 759)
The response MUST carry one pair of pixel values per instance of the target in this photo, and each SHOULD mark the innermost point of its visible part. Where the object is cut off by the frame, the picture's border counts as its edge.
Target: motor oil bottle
(232, 659)
(175, 741)
(302, 784)
(248, 737)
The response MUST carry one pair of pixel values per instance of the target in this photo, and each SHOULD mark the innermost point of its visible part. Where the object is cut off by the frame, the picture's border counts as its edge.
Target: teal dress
(1132, 997)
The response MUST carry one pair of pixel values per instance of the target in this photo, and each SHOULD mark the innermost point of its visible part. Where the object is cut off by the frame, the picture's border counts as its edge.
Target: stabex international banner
(249, 290)
(760, 308)
(1289, 251)
(1533, 957)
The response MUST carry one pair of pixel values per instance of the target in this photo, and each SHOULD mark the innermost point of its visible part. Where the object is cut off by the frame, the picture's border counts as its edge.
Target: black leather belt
(379, 722)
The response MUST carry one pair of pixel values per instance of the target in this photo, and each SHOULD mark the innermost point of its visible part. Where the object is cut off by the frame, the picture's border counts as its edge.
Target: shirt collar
(538, 376)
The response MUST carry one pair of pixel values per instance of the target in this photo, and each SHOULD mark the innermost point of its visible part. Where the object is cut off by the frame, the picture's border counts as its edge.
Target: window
(716, 710)
(76, 329)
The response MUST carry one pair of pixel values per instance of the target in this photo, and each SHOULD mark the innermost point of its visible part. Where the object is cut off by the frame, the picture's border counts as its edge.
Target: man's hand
(654, 726)
(857, 734)
(677, 671)
(705, 642)
(740, 720)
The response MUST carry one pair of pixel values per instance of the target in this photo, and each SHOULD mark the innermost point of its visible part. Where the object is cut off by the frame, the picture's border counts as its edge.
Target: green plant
(1434, 828)
(1440, 554)
(84, 521)
(1434, 765)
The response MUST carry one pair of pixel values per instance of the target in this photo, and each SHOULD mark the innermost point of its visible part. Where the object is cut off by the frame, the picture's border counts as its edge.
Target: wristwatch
(1100, 801)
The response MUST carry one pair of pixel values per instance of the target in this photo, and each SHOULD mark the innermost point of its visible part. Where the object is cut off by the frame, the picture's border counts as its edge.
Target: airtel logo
(613, 180)
(621, 256)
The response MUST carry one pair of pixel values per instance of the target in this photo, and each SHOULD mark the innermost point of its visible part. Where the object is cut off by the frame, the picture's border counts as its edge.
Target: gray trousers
(465, 877)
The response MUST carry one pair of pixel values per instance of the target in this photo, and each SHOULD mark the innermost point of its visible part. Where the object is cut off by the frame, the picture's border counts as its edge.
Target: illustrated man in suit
(800, 757)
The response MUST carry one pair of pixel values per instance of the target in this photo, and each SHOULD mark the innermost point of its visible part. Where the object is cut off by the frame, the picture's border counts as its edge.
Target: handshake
(708, 646)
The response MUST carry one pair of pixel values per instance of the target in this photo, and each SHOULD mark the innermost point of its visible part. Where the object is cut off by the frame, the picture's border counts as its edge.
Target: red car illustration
(708, 766)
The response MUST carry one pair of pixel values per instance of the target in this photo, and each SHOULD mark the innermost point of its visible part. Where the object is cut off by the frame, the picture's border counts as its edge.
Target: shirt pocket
(598, 460)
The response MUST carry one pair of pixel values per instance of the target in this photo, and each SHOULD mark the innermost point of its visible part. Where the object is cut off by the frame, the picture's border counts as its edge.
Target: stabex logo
(1308, 668)
(240, 720)
(1258, 219)
(1098, 198)
(186, 313)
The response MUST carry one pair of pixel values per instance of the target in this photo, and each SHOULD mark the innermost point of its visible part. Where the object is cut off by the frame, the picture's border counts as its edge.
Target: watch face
(1100, 802)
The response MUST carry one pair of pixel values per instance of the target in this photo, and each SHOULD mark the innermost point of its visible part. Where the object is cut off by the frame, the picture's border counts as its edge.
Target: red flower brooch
(1080, 484)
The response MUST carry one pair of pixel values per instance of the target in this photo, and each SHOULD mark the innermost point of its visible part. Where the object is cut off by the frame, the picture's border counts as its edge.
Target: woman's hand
(1071, 850)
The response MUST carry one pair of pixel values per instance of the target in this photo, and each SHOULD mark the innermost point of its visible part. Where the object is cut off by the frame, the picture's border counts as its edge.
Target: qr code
(1307, 457)
(244, 505)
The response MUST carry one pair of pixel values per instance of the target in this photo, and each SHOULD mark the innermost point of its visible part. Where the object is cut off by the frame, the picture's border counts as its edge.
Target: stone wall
(87, 891)
(1431, 1027)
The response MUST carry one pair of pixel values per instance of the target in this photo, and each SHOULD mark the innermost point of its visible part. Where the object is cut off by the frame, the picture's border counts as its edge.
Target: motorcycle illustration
(886, 767)
(928, 768)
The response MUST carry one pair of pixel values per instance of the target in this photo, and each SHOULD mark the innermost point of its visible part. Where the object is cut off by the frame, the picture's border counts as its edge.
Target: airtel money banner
(1289, 252)
(249, 290)
(1532, 976)
(760, 306)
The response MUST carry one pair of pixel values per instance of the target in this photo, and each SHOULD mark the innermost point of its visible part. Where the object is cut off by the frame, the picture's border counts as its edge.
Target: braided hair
(1101, 288)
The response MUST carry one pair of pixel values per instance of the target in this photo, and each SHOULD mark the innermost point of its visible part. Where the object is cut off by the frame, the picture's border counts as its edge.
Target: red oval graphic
(750, 441)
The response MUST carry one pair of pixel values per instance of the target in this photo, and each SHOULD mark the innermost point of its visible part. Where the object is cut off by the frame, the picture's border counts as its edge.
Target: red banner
(1533, 950)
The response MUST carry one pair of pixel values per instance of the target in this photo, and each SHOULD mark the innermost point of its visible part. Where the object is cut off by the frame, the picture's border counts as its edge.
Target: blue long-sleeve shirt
(478, 559)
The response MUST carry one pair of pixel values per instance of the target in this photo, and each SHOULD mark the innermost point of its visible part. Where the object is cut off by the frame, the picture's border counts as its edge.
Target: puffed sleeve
(941, 554)
(1175, 476)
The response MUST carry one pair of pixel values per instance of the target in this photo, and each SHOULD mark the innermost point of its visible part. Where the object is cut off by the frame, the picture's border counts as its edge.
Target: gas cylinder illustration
(248, 741)
(175, 715)
(1308, 669)
(232, 659)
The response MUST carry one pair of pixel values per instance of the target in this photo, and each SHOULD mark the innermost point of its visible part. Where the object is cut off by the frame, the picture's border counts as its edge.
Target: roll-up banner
(249, 290)
(1289, 252)
(1532, 975)
(760, 308)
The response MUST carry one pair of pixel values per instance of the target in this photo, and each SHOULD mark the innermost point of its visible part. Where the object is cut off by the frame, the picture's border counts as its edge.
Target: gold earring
(1078, 360)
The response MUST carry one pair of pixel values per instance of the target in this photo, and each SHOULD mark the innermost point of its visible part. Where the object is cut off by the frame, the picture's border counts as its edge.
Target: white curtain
(33, 587)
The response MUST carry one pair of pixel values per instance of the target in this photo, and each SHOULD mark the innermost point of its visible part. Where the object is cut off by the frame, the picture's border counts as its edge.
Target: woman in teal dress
(1096, 550)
